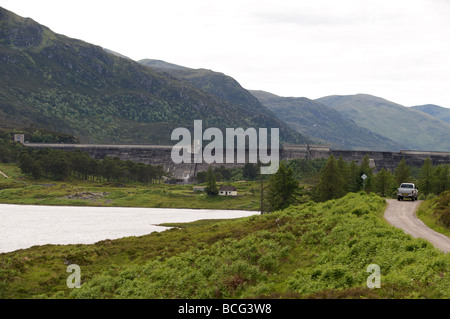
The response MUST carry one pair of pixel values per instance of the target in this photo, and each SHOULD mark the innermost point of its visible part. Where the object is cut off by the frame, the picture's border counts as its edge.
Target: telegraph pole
(262, 192)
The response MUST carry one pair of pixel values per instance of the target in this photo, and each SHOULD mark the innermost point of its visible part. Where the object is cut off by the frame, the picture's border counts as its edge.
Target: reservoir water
(24, 226)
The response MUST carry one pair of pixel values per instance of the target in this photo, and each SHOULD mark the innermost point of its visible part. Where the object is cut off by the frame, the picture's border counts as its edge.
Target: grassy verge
(433, 212)
(315, 250)
(21, 190)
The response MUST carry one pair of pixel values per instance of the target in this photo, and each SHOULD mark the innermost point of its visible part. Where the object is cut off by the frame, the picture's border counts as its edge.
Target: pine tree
(283, 189)
(29, 166)
(383, 181)
(441, 179)
(445, 178)
(36, 170)
(354, 177)
(345, 172)
(426, 177)
(211, 186)
(25, 163)
(331, 183)
(250, 171)
(402, 173)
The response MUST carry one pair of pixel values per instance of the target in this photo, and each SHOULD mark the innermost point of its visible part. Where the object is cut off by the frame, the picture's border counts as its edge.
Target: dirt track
(402, 214)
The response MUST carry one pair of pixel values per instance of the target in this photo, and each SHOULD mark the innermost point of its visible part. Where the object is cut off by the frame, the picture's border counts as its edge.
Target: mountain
(324, 123)
(116, 53)
(62, 84)
(223, 87)
(219, 84)
(439, 112)
(409, 127)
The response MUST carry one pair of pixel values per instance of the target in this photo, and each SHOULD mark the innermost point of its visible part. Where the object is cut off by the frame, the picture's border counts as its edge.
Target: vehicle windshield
(406, 186)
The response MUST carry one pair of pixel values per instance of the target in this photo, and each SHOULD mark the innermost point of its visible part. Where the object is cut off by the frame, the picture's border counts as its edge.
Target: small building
(227, 191)
(198, 189)
(19, 138)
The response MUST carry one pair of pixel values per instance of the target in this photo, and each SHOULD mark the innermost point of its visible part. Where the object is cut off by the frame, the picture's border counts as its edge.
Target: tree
(331, 183)
(29, 166)
(344, 169)
(59, 167)
(36, 170)
(93, 168)
(383, 182)
(108, 167)
(354, 177)
(201, 177)
(159, 173)
(283, 189)
(25, 163)
(426, 177)
(441, 179)
(218, 175)
(224, 172)
(402, 173)
(250, 171)
(211, 186)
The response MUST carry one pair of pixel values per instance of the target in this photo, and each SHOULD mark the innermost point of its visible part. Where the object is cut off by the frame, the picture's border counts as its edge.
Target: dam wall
(161, 155)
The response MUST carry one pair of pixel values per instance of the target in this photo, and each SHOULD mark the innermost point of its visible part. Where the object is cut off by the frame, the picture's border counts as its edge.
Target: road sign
(364, 176)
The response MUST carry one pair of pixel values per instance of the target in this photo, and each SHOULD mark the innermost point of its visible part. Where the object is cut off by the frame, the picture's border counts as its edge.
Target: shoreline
(22, 226)
(131, 207)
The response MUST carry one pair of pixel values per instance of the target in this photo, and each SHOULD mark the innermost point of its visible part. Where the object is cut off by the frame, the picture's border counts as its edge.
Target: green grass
(19, 189)
(11, 170)
(427, 212)
(315, 250)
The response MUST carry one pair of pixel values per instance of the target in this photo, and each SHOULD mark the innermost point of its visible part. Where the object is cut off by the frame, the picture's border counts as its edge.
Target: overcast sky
(395, 49)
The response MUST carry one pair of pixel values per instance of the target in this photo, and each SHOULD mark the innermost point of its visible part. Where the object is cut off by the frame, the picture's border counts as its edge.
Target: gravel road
(402, 214)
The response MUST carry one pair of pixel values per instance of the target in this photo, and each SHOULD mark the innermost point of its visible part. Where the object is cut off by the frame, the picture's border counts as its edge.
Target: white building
(227, 191)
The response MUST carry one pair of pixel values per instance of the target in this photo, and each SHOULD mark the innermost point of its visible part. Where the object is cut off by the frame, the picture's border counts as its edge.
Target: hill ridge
(324, 123)
(413, 128)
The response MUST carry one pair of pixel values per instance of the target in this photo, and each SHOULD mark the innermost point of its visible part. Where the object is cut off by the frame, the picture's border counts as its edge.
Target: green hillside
(437, 111)
(227, 89)
(406, 126)
(54, 82)
(324, 123)
(219, 84)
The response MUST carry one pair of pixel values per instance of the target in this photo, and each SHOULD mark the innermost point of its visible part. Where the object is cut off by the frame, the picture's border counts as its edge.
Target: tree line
(339, 177)
(59, 164)
(301, 168)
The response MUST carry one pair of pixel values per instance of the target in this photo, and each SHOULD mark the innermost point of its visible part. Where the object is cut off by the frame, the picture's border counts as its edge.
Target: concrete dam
(161, 155)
